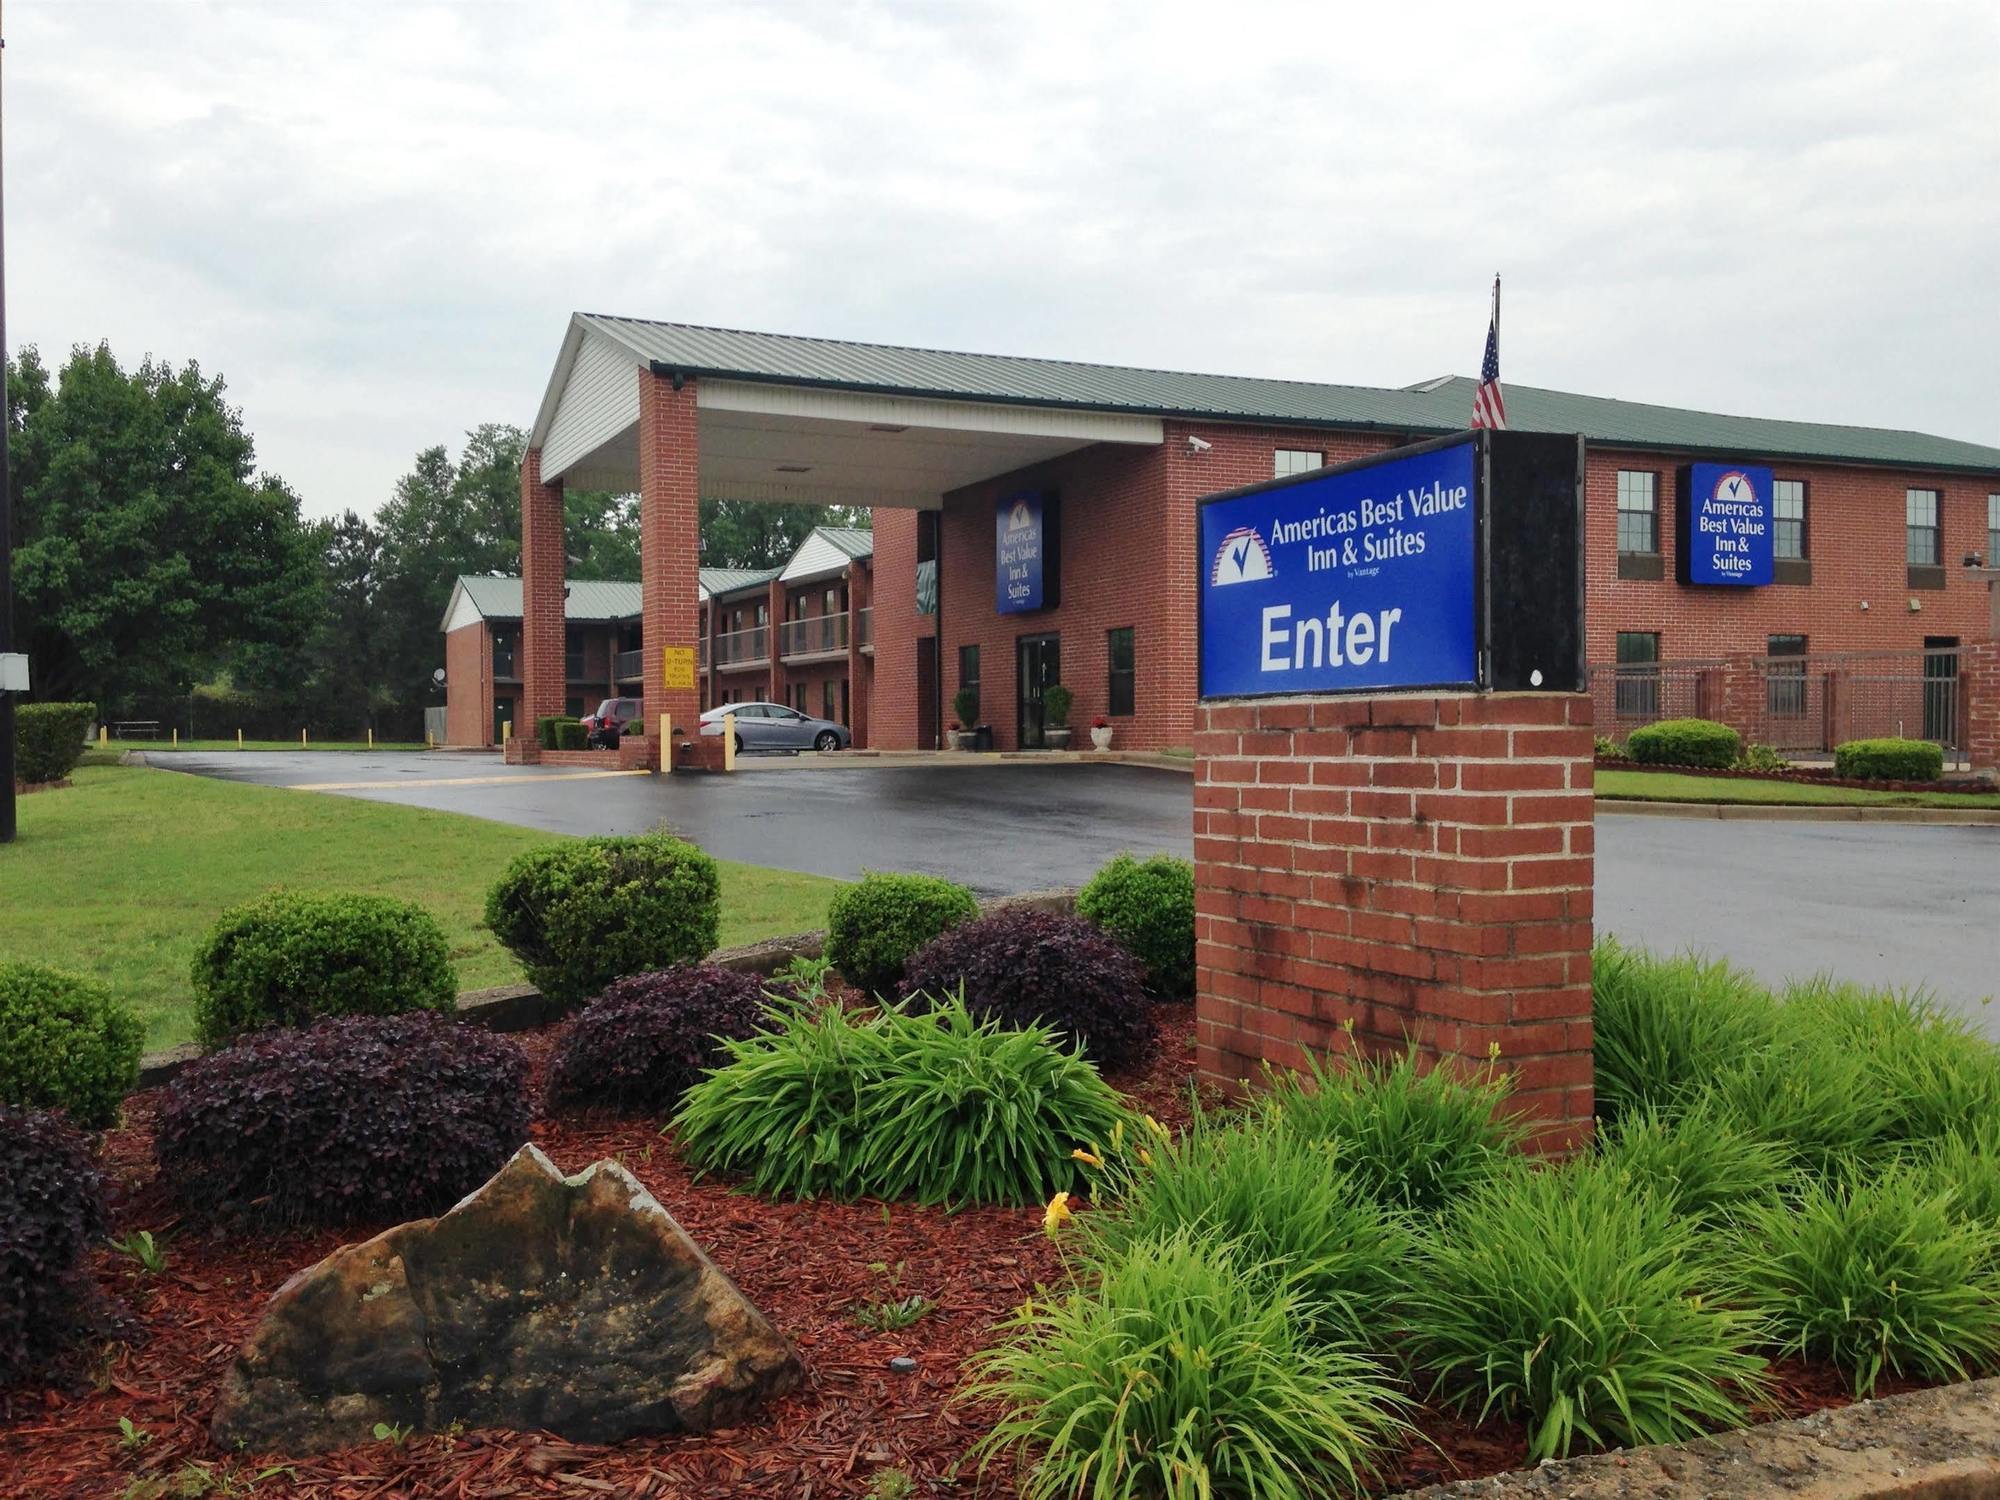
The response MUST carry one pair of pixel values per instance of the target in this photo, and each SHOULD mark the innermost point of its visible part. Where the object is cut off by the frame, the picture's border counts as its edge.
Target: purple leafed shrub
(1020, 967)
(361, 1119)
(649, 1038)
(51, 1212)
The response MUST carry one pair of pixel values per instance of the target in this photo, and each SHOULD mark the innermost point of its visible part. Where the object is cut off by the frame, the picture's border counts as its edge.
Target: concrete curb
(1964, 817)
(522, 1007)
(897, 760)
(1941, 1444)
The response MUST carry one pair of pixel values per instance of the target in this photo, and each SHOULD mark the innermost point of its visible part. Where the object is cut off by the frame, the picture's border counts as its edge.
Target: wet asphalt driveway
(1882, 904)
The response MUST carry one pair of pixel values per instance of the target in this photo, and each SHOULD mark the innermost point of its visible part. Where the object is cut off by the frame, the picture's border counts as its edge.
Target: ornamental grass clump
(1810, 1096)
(1700, 1162)
(1297, 1218)
(65, 1044)
(643, 1043)
(1584, 1305)
(1025, 968)
(1878, 1272)
(1148, 906)
(938, 1107)
(1170, 1372)
(1663, 1027)
(1411, 1137)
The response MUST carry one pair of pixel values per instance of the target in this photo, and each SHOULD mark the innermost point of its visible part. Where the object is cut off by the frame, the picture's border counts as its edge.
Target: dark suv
(612, 722)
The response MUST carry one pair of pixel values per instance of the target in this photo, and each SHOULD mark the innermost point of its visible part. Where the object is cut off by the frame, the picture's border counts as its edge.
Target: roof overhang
(803, 443)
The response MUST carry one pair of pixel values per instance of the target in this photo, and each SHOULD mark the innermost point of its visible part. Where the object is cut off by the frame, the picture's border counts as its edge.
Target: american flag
(1489, 407)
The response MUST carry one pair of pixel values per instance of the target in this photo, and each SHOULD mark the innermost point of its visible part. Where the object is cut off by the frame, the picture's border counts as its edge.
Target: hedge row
(49, 739)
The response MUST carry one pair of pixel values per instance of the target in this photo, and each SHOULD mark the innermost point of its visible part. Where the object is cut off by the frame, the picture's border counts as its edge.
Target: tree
(762, 533)
(601, 534)
(148, 547)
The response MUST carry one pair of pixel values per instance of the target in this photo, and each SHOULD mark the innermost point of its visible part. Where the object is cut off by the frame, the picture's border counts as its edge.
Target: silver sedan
(773, 726)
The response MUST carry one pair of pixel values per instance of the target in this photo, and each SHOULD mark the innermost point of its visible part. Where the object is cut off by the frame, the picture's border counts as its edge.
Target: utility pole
(6, 527)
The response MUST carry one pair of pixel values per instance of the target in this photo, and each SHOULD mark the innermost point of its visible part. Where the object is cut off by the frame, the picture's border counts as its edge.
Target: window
(1788, 518)
(799, 697)
(1921, 514)
(1638, 512)
(504, 642)
(1119, 691)
(1637, 685)
(1993, 531)
(1785, 675)
(1295, 461)
(826, 699)
(968, 668)
(572, 653)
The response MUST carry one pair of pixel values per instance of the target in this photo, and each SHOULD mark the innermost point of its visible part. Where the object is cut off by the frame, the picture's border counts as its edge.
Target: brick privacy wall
(1980, 667)
(1854, 540)
(542, 616)
(669, 542)
(468, 686)
(1375, 871)
(860, 664)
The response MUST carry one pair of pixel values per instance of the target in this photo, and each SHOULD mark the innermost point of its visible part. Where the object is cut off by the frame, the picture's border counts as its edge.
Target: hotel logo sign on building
(1024, 553)
(1725, 525)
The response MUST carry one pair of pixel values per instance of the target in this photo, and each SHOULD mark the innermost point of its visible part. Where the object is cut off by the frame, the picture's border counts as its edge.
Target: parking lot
(1884, 904)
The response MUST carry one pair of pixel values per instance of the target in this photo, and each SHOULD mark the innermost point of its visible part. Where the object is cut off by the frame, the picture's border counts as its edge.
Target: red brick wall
(1372, 871)
(892, 713)
(1854, 539)
(468, 686)
(542, 563)
(669, 541)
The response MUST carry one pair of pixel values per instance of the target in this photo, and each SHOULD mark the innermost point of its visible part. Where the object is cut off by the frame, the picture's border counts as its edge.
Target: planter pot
(955, 738)
(1056, 739)
(1100, 739)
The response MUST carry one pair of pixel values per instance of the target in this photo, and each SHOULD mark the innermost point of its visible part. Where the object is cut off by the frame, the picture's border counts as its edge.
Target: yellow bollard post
(667, 743)
(371, 736)
(104, 736)
(177, 736)
(239, 739)
(506, 733)
(302, 739)
(729, 742)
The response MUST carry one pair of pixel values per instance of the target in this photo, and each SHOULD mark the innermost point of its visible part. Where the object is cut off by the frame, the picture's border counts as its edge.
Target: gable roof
(482, 596)
(1432, 407)
(829, 549)
(718, 581)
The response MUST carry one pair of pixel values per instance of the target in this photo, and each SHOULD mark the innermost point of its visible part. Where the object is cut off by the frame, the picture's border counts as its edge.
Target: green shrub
(1889, 760)
(1810, 1097)
(1969, 1159)
(1412, 1138)
(1171, 1373)
(876, 924)
(1148, 905)
(1285, 1202)
(1761, 758)
(1702, 1164)
(965, 707)
(571, 735)
(49, 739)
(939, 1107)
(549, 730)
(1665, 1026)
(289, 958)
(1603, 747)
(65, 1044)
(1056, 701)
(1686, 742)
(1572, 1299)
(584, 912)
(1875, 1273)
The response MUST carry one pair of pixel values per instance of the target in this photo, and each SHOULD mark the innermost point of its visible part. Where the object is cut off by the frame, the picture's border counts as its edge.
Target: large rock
(574, 1304)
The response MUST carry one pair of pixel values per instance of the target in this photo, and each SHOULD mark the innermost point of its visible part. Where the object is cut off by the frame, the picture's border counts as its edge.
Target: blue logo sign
(1355, 578)
(1020, 553)
(1726, 525)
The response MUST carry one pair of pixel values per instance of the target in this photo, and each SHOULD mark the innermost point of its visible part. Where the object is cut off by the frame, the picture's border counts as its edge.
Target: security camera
(1198, 445)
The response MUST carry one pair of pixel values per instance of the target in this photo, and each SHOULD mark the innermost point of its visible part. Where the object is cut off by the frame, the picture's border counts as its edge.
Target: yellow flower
(1158, 1129)
(1145, 1157)
(1117, 1136)
(1493, 1051)
(1088, 1158)
(1055, 1213)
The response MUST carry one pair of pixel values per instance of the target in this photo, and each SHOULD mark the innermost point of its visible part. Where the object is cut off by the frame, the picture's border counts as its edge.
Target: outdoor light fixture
(1974, 560)
(1198, 445)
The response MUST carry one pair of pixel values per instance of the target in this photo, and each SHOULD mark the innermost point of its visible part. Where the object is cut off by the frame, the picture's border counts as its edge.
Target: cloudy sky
(374, 216)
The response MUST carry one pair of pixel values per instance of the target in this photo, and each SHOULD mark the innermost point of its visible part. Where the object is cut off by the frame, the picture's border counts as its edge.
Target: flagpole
(1496, 304)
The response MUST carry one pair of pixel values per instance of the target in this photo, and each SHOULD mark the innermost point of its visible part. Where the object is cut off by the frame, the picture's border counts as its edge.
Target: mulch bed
(807, 1265)
(1802, 776)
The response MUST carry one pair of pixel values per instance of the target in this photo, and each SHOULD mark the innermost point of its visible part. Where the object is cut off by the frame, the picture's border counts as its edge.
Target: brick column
(542, 613)
(669, 544)
(774, 641)
(857, 660)
(1979, 685)
(1373, 871)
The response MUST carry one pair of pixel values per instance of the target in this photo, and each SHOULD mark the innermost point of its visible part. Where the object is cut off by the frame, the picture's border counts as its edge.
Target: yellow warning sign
(677, 666)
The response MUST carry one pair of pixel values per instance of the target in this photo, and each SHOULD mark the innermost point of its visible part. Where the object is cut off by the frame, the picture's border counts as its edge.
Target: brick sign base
(1408, 867)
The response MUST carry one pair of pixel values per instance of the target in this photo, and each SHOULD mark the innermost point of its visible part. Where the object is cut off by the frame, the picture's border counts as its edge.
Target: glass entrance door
(1039, 667)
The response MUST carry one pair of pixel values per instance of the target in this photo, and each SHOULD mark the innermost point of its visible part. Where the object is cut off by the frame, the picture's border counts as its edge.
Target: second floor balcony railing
(816, 635)
(739, 646)
(629, 665)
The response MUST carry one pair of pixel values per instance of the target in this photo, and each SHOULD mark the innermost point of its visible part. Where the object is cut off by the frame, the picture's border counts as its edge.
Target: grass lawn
(121, 874)
(166, 744)
(1666, 786)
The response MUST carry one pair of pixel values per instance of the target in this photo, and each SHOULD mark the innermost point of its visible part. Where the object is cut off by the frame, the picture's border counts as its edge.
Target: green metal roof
(716, 581)
(500, 598)
(1432, 407)
(856, 541)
